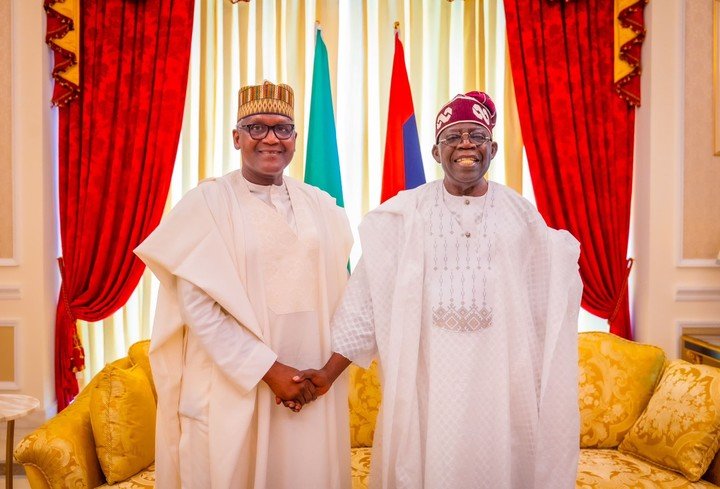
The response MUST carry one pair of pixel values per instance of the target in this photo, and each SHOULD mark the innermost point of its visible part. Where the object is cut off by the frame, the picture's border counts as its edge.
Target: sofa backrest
(616, 380)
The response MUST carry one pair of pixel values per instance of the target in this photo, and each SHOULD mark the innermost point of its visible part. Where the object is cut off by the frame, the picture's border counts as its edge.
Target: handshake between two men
(294, 388)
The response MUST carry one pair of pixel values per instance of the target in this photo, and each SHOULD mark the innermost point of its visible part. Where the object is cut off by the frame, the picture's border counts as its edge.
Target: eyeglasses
(259, 131)
(478, 138)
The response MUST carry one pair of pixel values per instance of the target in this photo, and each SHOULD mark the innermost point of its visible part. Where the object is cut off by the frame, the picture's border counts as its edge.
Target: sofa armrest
(62, 451)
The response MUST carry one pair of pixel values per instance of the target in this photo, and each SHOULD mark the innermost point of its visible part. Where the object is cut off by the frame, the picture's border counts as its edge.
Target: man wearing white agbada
(251, 267)
(470, 302)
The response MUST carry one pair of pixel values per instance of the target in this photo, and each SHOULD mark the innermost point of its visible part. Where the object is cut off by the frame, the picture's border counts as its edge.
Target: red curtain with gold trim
(117, 147)
(579, 137)
(62, 35)
(629, 37)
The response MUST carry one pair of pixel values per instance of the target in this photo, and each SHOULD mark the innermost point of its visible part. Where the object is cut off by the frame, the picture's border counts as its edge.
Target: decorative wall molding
(14, 384)
(697, 294)
(10, 293)
(696, 211)
(696, 262)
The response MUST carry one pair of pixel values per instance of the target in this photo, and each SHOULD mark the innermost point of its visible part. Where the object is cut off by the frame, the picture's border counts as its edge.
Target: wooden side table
(12, 407)
(701, 348)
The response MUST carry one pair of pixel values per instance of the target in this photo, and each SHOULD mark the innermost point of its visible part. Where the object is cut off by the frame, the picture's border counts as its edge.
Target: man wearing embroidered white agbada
(470, 303)
(252, 266)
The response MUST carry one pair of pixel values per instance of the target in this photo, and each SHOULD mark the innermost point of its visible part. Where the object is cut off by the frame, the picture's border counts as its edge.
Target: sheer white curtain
(450, 48)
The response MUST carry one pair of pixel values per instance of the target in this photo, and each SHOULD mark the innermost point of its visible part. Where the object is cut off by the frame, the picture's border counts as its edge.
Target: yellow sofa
(626, 390)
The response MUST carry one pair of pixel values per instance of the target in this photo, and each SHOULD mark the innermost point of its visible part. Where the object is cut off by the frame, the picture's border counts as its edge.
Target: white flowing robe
(275, 293)
(491, 407)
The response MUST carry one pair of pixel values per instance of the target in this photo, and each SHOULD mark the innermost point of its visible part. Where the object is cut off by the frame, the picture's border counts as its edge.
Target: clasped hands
(295, 388)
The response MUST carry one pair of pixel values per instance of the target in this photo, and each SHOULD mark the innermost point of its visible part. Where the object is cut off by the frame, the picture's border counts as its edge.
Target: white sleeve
(239, 354)
(353, 329)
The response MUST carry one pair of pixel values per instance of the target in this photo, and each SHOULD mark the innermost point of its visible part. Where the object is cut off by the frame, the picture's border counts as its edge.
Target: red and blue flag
(402, 166)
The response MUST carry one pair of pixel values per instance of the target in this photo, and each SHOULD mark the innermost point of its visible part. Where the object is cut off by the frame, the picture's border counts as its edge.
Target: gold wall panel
(7, 354)
(6, 191)
(701, 173)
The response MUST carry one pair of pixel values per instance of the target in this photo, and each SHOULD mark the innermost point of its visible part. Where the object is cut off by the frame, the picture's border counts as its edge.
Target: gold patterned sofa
(87, 445)
(644, 423)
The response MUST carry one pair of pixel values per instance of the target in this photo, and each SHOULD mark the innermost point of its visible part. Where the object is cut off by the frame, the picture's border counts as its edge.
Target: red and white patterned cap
(473, 106)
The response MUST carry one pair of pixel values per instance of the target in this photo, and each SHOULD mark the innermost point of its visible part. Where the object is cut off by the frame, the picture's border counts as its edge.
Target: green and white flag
(322, 164)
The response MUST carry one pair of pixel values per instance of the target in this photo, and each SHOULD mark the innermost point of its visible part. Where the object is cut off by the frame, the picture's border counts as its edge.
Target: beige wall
(666, 294)
(701, 169)
(28, 290)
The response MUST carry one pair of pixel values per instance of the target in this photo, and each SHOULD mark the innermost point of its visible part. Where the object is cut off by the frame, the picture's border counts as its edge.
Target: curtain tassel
(621, 295)
(77, 357)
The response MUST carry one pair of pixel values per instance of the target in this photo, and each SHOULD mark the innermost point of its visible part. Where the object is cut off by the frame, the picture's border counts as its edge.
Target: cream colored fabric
(276, 197)
(239, 424)
(122, 414)
(680, 429)
(617, 378)
(382, 312)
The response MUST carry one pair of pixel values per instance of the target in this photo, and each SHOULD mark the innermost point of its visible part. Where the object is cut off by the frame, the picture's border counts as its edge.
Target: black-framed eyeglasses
(259, 131)
(478, 138)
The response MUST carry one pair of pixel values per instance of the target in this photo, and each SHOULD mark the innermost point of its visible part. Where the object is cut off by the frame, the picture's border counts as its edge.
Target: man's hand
(293, 393)
(320, 379)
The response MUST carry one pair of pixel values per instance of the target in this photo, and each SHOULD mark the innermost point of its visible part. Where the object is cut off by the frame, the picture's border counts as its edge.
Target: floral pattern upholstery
(616, 380)
(364, 400)
(680, 429)
(122, 415)
(360, 466)
(609, 469)
(142, 480)
(62, 453)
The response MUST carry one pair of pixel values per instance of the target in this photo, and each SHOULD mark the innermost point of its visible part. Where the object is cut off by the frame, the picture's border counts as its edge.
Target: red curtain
(117, 146)
(579, 137)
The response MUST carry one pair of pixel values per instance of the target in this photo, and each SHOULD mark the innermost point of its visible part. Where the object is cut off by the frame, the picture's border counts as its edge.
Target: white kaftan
(482, 353)
(246, 281)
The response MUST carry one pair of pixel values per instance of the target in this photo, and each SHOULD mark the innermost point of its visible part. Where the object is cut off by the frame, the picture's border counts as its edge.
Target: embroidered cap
(267, 98)
(474, 106)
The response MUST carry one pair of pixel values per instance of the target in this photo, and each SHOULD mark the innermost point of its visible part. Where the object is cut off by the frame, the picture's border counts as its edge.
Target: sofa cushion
(606, 469)
(616, 380)
(364, 399)
(680, 429)
(138, 354)
(141, 480)
(122, 414)
(360, 466)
